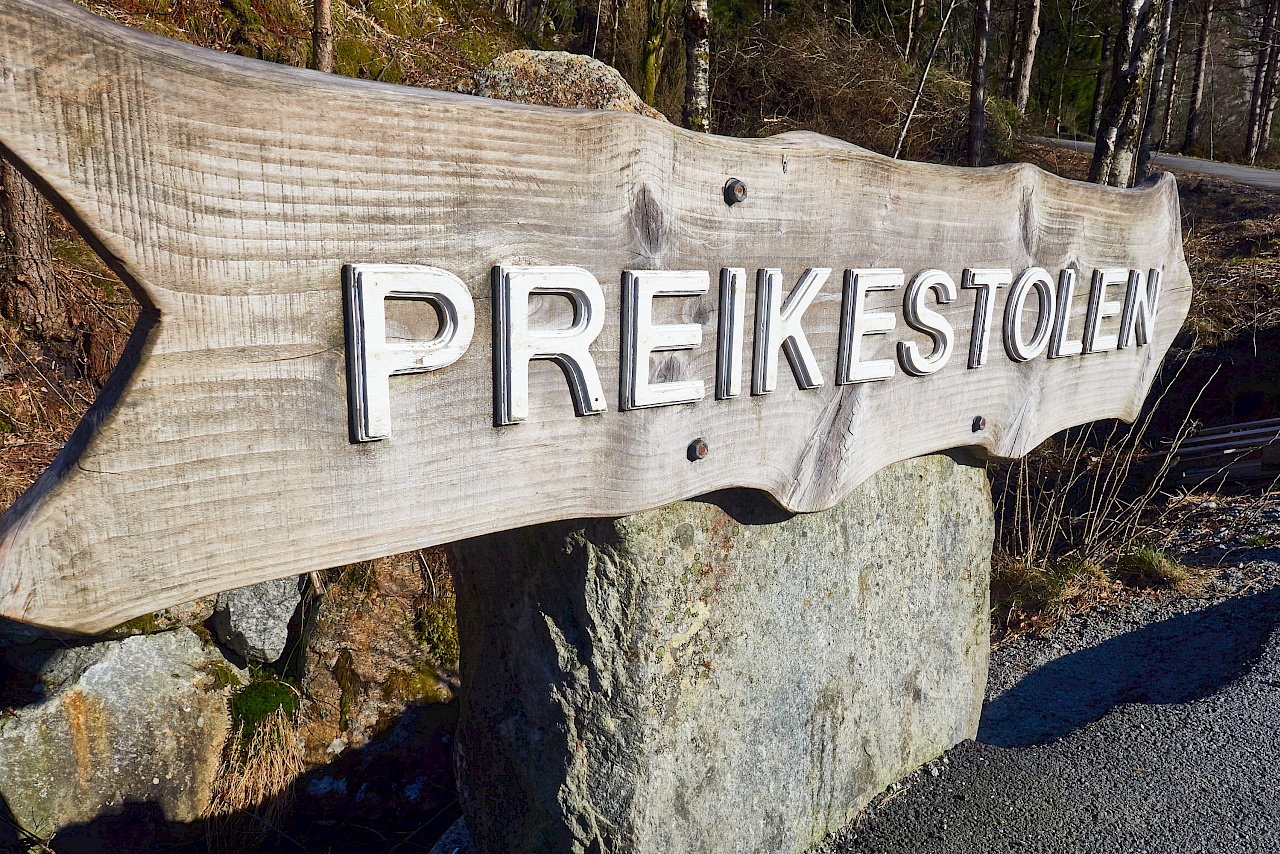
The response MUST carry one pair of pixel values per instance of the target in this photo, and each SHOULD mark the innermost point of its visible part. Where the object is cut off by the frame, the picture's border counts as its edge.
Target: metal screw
(697, 450)
(979, 424)
(734, 191)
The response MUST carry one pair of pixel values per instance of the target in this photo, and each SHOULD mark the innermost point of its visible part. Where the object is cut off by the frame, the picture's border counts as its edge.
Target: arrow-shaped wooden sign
(378, 318)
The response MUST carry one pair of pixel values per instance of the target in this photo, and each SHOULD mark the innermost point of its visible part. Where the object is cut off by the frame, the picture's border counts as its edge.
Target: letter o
(1019, 349)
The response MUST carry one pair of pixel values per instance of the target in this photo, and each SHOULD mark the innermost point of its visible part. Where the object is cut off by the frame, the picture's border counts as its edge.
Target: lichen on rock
(142, 719)
(555, 78)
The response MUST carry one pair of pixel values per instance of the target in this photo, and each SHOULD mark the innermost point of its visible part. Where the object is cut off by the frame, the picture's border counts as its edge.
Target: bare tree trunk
(1192, 138)
(1269, 97)
(697, 64)
(1062, 71)
(1115, 147)
(1013, 51)
(1153, 97)
(1256, 106)
(1099, 85)
(978, 81)
(29, 292)
(912, 32)
(1028, 55)
(924, 75)
(654, 45)
(1171, 101)
(322, 35)
(917, 25)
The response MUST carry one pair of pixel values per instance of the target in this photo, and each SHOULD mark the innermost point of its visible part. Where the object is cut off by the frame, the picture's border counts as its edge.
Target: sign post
(377, 318)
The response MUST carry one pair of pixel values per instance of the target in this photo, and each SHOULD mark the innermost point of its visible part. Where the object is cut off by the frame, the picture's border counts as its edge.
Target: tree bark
(1256, 105)
(322, 35)
(1171, 100)
(1028, 55)
(1099, 85)
(1267, 97)
(1115, 147)
(1013, 52)
(911, 26)
(659, 19)
(29, 291)
(1153, 96)
(978, 81)
(697, 64)
(1192, 138)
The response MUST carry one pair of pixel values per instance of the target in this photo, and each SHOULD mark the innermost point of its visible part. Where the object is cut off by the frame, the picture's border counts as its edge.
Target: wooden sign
(378, 318)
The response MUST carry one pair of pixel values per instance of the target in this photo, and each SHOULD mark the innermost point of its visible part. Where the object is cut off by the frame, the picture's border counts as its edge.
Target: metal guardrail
(1246, 451)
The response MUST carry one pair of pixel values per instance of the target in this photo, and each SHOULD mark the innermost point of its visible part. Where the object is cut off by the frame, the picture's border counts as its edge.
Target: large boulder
(717, 676)
(254, 621)
(139, 720)
(554, 78)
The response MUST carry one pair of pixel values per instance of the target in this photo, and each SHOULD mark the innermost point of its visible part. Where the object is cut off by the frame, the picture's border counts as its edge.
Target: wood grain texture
(228, 193)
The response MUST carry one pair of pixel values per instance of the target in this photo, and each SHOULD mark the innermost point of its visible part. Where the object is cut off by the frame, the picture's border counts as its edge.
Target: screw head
(734, 191)
(698, 450)
(979, 424)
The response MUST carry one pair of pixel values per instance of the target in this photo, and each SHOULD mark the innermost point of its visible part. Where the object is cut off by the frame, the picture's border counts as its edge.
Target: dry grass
(815, 76)
(254, 791)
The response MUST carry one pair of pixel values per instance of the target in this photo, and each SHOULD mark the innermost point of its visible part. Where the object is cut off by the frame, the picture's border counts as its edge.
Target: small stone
(254, 620)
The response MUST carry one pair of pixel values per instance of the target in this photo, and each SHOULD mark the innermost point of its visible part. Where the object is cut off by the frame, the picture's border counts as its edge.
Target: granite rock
(139, 720)
(718, 676)
(255, 620)
(554, 78)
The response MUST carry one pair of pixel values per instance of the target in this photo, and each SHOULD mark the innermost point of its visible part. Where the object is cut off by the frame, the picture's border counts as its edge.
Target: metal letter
(1059, 345)
(733, 314)
(1101, 308)
(372, 359)
(1037, 279)
(778, 325)
(515, 344)
(986, 283)
(856, 323)
(1140, 303)
(641, 337)
(921, 318)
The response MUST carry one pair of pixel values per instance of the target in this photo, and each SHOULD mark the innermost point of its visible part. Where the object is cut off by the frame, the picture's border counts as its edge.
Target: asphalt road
(1263, 179)
(1150, 728)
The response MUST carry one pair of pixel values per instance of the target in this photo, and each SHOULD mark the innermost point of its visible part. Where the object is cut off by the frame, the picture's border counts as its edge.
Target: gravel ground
(1150, 726)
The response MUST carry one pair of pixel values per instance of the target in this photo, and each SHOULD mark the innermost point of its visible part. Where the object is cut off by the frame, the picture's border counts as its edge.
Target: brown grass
(253, 791)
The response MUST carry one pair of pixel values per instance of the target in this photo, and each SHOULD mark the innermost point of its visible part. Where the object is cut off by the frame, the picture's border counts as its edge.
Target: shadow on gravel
(1177, 660)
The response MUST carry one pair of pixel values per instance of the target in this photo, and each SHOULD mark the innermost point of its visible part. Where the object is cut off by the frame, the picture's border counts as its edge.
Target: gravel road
(1149, 727)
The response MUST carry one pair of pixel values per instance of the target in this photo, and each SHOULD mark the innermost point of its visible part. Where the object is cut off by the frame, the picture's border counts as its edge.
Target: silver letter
(641, 337)
(1140, 303)
(515, 344)
(733, 313)
(1059, 346)
(1101, 308)
(986, 282)
(372, 359)
(856, 323)
(778, 325)
(921, 318)
(1037, 279)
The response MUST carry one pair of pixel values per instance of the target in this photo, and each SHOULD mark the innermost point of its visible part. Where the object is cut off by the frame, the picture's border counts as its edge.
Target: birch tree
(697, 65)
(1192, 138)
(1115, 147)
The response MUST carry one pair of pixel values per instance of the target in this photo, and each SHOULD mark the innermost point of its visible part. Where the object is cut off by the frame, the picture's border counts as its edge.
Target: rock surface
(718, 677)
(254, 621)
(136, 720)
(558, 79)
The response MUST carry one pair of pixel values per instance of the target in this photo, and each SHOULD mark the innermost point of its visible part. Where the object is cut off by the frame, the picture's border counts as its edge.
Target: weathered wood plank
(230, 193)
